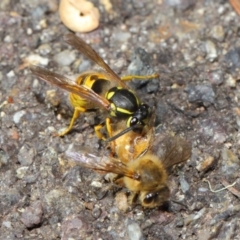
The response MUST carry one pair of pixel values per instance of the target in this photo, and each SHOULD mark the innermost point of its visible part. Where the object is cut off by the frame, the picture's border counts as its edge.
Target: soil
(194, 46)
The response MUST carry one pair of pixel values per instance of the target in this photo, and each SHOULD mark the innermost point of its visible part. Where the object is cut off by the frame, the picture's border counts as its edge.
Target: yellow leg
(109, 131)
(77, 111)
(97, 131)
(100, 126)
(131, 77)
(109, 127)
(110, 134)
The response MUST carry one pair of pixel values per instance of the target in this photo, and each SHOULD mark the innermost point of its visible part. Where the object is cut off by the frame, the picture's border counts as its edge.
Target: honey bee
(132, 144)
(93, 90)
(137, 167)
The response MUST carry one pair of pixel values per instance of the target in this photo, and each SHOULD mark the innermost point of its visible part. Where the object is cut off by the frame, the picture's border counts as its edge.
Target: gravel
(194, 47)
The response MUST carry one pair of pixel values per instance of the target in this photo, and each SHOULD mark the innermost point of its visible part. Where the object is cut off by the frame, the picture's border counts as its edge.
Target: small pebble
(184, 184)
(33, 215)
(54, 195)
(206, 164)
(193, 217)
(201, 94)
(26, 155)
(73, 227)
(45, 49)
(7, 39)
(10, 74)
(96, 184)
(218, 33)
(39, 11)
(36, 60)
(225, 214)
(179, 221)
(121, 201)
(213, 130)
(96, 212)
(233, 57)
(4, 158)
(65, 58)
(153, 85)
(211, 50)
(21, 172)
(230, 164)
(7, 224)
(53, 98)
(10, 197)
(122, 36)
(84, 66)
(134, 231)
(216, 77)
(180, 4)
(230, 81)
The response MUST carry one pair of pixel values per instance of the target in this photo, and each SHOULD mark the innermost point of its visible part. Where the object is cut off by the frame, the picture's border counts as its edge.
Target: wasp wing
(87, 50)
(70, 86)
(103, 164)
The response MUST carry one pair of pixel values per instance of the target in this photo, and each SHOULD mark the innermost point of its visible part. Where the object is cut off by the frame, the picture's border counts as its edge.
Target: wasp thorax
(123, 101)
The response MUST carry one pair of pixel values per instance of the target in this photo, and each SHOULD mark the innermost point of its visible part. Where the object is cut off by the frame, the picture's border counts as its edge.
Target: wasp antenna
(122, 133)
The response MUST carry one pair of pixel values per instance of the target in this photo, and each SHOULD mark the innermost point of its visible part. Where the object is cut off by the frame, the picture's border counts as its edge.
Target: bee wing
(177, 150)
(70, 86)
(103, 164)
(87, 50)
(148, 134)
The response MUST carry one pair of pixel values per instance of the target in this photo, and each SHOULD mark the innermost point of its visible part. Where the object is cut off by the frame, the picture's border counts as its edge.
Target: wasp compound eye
(140, 116)
(134, 121)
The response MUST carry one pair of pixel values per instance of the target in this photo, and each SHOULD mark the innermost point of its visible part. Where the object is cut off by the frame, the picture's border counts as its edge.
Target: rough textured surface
(194, 46)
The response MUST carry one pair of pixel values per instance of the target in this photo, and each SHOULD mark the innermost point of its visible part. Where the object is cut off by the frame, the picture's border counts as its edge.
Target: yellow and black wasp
(100, 89)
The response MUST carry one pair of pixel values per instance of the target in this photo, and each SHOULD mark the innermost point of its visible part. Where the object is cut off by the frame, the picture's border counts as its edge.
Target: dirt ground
(195, 48)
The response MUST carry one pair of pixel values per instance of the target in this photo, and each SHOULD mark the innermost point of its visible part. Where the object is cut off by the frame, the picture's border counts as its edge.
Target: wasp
(138, 165)
(93, 90)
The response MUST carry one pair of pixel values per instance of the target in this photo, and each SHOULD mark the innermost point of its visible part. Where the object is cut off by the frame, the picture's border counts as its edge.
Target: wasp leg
(110, 134)
(97, 131)
(131, 77)
(100, 126)
(109, 127)
(77, 111)
(109, 131)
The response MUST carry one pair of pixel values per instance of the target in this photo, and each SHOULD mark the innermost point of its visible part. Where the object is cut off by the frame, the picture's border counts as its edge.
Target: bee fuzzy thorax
(151, 171)
(130, 145)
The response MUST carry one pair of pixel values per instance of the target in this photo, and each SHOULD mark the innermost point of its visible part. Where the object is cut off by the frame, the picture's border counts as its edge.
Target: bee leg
(131, 77)
(77, 111)
(132, 198)
(119, 181)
